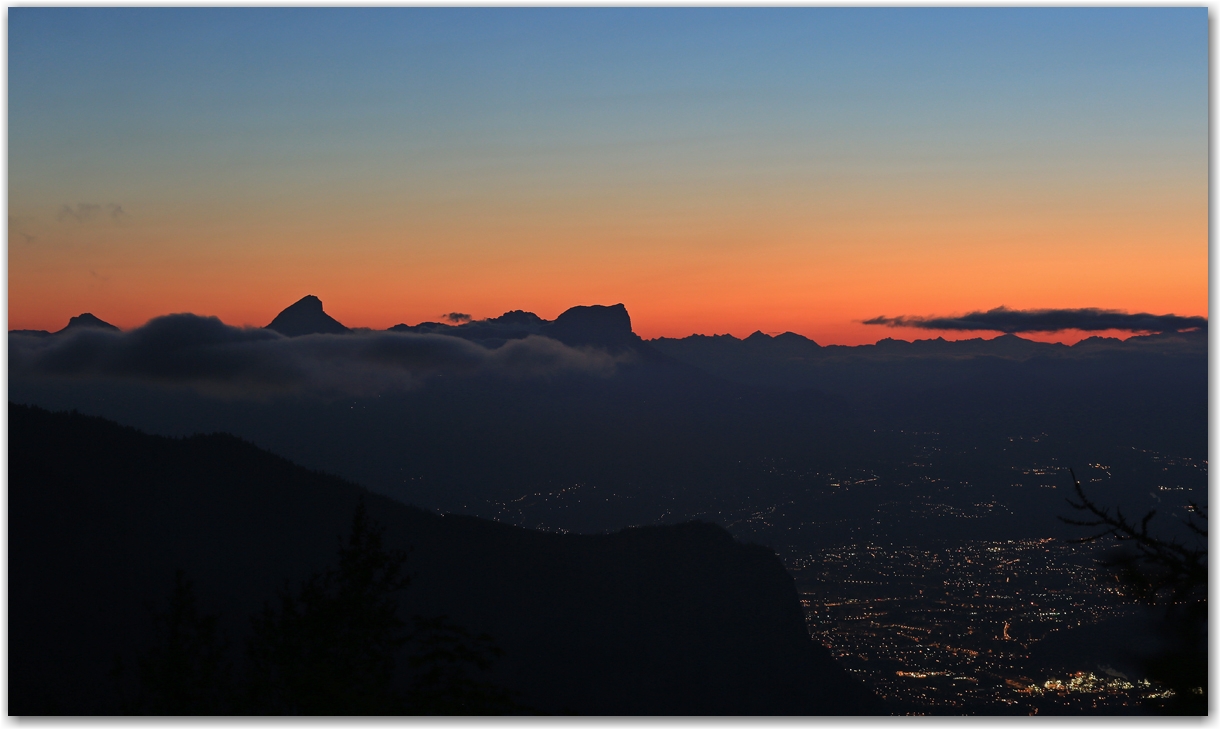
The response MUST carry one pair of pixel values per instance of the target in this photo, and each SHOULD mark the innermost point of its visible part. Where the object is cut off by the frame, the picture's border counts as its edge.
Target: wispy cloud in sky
(88, 212)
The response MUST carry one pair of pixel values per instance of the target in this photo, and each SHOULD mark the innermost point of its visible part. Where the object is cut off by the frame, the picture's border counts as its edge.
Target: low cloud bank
(211, 356)
(1012, 321)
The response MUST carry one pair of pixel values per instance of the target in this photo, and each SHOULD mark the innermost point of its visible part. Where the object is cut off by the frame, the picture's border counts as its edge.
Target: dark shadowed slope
(305, 317)
(663, 620)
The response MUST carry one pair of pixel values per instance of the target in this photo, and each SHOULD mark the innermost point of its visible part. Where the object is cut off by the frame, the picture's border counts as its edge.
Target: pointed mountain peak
(87, 321)
(305, 317)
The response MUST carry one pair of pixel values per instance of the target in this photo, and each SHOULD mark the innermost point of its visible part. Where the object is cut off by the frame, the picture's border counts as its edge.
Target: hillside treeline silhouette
(331, 646)
(678, 619)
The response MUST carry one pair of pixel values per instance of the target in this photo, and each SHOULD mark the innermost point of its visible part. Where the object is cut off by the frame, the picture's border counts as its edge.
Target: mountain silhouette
(602, 327)
(87, 321)
(787, 344)
(790, 361)
(75, 324)
(607, 326)
(491, 332)
(305, 317)
(673, 620)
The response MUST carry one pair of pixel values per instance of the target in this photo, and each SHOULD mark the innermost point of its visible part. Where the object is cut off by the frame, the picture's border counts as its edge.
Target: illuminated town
(954, 627)
(925, 578)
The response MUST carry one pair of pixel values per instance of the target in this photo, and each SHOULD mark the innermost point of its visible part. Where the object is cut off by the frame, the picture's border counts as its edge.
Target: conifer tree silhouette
(186, 671)
(445, 657)
(329, 649)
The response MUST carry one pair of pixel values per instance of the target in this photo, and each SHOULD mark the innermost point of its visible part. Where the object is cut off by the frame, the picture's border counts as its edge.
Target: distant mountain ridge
(790, 361)
(609, 327)
(1005, 345)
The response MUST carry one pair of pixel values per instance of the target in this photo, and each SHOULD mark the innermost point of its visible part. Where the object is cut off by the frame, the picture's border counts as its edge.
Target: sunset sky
(715, 170)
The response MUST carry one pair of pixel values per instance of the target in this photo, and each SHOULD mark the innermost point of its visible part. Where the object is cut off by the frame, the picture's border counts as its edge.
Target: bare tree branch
(1155, 569)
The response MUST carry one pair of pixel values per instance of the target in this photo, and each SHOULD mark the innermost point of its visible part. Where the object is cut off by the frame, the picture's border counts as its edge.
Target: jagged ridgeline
(663, 620)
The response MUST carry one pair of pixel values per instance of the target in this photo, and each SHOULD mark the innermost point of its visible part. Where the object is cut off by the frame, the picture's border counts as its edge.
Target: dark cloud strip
(1012, 321)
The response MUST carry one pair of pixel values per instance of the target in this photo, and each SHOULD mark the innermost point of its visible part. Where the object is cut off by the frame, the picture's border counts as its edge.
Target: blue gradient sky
(714, 169)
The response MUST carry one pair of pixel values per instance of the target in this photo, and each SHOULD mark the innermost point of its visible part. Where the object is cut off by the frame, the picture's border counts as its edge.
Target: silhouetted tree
(1167, 574)
(329, 648)
(445, 657)
(186, 671)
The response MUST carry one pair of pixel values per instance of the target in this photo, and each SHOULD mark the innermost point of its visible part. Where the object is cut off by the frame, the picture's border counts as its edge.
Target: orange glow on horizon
(787, 262)
(799, 197)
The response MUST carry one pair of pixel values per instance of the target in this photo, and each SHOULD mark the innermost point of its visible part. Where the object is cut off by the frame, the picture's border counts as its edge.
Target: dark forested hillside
(662, 620)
